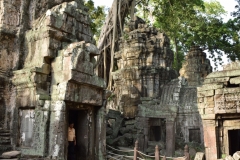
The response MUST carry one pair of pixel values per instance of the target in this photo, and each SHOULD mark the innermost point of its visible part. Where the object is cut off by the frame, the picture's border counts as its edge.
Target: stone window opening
(194, 135)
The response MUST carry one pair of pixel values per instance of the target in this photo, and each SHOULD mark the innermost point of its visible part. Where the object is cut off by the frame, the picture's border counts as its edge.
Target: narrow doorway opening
(155, 133)
(79, 118)
(234, 141)
(157, 129)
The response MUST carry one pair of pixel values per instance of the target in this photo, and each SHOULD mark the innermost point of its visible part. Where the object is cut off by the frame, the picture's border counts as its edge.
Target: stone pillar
(141, 128)
(100, 146)
(146, 137)
(210, 140)
(170, 137)
(58, 131)
(156, 85)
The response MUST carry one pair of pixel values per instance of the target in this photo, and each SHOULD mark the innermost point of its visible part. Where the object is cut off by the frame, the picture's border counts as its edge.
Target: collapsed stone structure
(157, 106)
(218, 105)
(174, 114)
(47, 79)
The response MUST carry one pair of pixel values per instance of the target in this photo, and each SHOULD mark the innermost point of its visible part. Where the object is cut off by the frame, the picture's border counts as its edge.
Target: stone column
(210, 141)
(146, 137)
(100, 146)
(156, 85)
(141, 127)
(170, 136)
(58, 131)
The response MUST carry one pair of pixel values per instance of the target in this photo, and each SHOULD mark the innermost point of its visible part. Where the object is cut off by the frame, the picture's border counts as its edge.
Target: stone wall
(177, 107)
(218, 104)
(47, 72)
(144, 63)
(159, 108)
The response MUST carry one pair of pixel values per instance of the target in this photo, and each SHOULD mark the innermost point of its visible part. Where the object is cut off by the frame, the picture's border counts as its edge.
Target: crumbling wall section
(41, 69)
(218, 105)
(144, 63)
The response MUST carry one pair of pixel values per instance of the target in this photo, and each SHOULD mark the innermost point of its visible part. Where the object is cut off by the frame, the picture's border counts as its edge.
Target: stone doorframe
(168, 112)
(91, 111)
(228, 125)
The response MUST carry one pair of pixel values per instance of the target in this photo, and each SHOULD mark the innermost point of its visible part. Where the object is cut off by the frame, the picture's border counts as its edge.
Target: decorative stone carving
(46, 56)
(218, 102)
(145, 88)
(144, 61)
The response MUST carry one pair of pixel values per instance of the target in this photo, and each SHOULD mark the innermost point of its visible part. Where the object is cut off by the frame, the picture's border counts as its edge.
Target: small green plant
(110, 98)
(223, 156)
(126, 36)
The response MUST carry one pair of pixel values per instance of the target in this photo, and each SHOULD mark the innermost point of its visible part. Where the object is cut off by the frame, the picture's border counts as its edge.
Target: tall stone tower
(144, 62)
(47, 80)
(195, 67)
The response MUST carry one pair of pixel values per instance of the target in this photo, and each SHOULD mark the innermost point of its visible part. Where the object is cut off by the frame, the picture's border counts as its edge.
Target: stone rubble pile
(120, 131)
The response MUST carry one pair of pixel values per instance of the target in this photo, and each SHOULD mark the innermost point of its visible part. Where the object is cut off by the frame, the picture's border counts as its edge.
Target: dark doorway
(155, 133)
(194, 135)
(79, 118)
(234, 141)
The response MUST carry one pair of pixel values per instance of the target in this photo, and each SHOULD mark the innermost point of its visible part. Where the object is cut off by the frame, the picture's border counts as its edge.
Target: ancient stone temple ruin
(157, 106)
(47, 80)
(174, 114)
(218, 104)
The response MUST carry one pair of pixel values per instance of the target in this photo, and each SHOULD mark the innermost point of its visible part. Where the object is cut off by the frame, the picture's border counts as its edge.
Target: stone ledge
(226, 73)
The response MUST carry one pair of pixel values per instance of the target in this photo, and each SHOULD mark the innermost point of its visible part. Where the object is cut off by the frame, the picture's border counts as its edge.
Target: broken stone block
(199, 156)
(130, 122)
(111, 122)
(236, 155)
(117, 126)
(11, 154)
(109, 131)
(228, 158)
(113, 114)
(123, 130)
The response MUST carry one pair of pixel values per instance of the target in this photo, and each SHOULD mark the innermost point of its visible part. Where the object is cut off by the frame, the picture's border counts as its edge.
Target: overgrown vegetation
(97, 16)
(194, 22)
(187, 23)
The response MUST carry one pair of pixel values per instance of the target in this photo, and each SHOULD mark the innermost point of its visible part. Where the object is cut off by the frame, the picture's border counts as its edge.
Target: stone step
(5, 137)
(5, 140)
(4, 131)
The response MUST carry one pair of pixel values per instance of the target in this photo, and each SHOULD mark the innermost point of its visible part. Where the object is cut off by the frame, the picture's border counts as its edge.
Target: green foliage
(178, 60)
(212, 8)
(236, 13)
(195, 22)
(110, 98)
(97, 17)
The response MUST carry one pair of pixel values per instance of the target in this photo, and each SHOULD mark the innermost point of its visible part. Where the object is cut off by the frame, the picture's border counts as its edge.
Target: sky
(229, 6)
